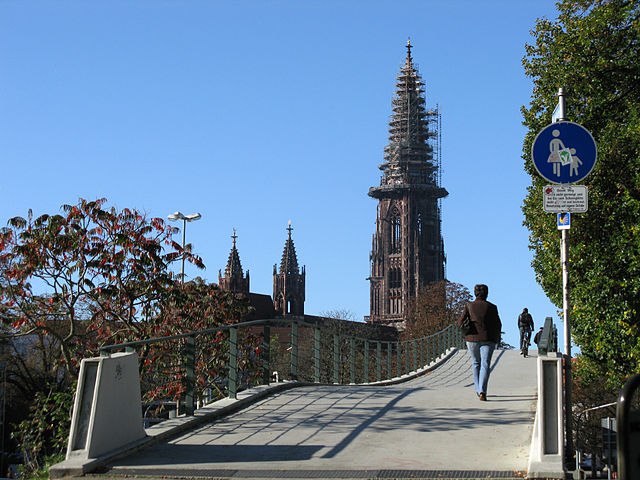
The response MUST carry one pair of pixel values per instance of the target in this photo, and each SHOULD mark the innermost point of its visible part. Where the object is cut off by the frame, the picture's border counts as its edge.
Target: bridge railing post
(415, 355)
(294, 351)
(427, 347)
(378, 361)
(407, 357)
(433, 340)
(366, 362)
(190, 358)
(233, 362)
(336, 357)
(316, 354)
(389, 360)
(266, 354)
(352, 360)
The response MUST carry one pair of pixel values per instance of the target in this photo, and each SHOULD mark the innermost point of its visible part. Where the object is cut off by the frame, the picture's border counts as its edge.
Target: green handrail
(408, 355)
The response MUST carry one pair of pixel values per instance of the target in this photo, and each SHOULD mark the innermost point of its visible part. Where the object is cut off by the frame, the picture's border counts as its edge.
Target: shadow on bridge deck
(432, 423)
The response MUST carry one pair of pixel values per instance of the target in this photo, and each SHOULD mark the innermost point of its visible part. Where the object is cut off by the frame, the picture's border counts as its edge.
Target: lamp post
(185, 218)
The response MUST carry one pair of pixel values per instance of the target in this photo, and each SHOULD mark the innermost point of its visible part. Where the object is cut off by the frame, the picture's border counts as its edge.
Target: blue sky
(254, 113)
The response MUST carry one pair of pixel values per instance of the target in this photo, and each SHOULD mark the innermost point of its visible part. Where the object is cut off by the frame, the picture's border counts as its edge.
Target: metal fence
(196, 368)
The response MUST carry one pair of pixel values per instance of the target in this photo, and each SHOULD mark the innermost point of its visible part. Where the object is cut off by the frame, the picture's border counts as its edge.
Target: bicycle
(524, 351)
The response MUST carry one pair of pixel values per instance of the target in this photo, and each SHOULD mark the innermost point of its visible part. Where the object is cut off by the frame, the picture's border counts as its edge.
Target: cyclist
(525, 325)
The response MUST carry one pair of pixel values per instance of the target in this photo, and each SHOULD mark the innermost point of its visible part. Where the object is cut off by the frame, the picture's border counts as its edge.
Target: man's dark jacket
(525, 320)
(484, 317)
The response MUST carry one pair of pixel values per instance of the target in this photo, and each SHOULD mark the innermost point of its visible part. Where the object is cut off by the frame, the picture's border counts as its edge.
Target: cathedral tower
(288, 285)
(234, 280)
(407, 251)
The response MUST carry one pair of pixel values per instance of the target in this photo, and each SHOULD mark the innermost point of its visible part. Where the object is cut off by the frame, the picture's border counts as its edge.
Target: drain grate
(317, 474)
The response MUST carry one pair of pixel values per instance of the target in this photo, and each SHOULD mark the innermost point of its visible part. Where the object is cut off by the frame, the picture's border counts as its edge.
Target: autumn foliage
(92, 276)
(437, 306)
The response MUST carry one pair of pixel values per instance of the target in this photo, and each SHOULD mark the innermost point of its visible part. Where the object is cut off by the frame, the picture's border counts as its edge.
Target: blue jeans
(481, 353)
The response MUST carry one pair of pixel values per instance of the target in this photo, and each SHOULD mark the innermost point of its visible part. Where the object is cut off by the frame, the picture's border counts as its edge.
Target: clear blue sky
(257, 112)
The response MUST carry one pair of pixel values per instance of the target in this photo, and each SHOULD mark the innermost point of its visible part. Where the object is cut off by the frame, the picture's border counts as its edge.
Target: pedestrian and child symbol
(564, 152)
(561, 156)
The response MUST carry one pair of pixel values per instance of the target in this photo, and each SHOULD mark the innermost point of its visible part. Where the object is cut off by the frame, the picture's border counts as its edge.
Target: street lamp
(185, 218)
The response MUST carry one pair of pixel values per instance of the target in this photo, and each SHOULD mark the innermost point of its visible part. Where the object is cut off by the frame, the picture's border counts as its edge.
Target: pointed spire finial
(234, 236)
(289, 228)
(409, 47)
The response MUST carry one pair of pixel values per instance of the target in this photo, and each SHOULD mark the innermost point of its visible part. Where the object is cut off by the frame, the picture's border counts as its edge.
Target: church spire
(289, 262)
(409, 156)
(234, 267)
(289, 282)
(234, 279)
(407, 249)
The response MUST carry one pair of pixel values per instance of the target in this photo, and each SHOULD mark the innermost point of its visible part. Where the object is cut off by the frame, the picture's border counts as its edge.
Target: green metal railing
(549, 338)
(313, 352)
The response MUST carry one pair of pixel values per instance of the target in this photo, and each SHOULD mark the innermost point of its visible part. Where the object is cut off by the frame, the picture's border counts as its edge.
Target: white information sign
(565, 198)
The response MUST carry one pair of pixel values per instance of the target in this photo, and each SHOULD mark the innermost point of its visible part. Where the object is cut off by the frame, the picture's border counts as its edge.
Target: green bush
(43, 435)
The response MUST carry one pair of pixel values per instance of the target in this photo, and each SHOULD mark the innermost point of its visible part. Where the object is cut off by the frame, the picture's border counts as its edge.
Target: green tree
(592, 50)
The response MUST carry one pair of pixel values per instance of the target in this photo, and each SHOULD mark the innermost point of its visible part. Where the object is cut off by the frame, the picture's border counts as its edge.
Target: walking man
(483, 337)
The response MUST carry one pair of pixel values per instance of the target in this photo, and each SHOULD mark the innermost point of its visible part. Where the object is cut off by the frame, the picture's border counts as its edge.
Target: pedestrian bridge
(427, 423)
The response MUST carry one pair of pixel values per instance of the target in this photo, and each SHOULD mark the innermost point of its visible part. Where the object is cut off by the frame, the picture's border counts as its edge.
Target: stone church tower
(234, 280)
(407, 251)
(288, 285)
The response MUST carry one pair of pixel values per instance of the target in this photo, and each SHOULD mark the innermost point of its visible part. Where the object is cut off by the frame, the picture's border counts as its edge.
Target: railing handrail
(403, 356)
(183, 335)
(250, 323)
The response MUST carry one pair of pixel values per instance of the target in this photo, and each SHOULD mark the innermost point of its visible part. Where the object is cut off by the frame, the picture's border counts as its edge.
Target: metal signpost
(564, 153)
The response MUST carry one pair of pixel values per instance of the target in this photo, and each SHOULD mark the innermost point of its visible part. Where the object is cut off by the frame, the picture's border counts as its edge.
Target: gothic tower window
(396, 234)
(395, 278)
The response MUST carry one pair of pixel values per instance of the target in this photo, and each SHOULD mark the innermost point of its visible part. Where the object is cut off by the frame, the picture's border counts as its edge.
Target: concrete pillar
(107, 413)
(546, 458)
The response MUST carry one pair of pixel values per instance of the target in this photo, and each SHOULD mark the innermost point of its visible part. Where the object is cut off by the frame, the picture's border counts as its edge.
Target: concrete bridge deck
(433, 426)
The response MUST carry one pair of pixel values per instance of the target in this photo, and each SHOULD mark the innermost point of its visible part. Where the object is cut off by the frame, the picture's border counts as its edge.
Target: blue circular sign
(564, 152)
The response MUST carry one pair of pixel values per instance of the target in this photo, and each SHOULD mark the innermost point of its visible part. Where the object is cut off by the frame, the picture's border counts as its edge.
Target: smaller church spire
(234, 279)
(234, 267)
(288, 284)
(289, 262)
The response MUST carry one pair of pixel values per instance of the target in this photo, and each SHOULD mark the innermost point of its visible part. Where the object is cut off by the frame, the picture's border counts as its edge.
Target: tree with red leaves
(93, 276)
(67, 275)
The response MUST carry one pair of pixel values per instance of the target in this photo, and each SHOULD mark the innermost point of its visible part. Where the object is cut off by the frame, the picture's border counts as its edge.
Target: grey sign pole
(556, 146)
(559, 115)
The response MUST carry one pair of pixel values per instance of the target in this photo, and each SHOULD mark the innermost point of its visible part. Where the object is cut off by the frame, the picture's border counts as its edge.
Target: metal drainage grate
(318, 474)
